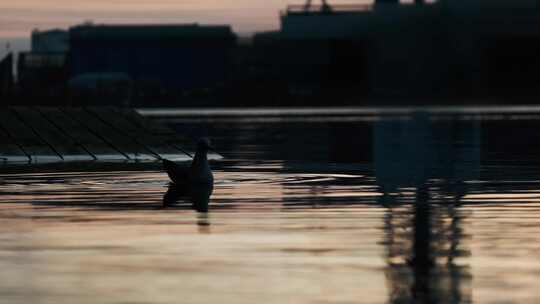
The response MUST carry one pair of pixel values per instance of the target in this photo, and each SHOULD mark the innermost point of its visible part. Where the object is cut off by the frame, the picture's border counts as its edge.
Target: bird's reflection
(203, 222)
(198, 195)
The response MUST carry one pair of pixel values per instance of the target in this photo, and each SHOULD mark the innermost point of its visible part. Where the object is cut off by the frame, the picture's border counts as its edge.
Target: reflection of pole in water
(422, 257)
(419, 161)
(423, 149)
(421, 249)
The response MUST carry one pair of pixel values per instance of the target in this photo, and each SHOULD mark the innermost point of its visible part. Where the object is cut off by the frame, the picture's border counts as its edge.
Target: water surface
(404, 208)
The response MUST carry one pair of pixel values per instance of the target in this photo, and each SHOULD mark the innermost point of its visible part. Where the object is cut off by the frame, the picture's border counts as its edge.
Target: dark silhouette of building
(42, 78)
(427, 51)
(42, 73)
(51, 41)
(423, 49)
(174, 59)
(6, 77)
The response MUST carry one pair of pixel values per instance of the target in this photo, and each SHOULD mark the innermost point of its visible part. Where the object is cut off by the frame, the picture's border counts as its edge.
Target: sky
(19, 17)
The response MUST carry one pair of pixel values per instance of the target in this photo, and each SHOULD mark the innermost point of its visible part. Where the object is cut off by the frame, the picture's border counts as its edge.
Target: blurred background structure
(446, 51)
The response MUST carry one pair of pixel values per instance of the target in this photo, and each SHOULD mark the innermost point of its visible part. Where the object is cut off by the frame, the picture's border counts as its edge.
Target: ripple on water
(275, 234)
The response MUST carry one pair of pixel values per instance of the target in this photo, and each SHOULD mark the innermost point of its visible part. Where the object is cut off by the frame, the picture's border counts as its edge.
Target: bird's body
(178, 175)
(200, 172)
(193, 180)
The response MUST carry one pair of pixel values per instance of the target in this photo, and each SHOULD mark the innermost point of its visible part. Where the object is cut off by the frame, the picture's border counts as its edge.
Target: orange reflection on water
(272, 236)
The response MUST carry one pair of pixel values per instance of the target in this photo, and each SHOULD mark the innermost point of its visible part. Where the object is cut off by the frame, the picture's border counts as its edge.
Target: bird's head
(204, 144)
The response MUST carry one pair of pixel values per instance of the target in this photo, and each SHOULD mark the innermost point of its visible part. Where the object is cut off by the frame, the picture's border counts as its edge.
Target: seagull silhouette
(195, 181)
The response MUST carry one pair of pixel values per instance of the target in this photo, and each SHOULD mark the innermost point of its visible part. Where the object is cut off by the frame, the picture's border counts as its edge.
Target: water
(404, 208)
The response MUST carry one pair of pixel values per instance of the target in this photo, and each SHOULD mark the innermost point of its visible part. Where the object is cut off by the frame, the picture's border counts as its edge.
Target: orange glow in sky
(18, 18)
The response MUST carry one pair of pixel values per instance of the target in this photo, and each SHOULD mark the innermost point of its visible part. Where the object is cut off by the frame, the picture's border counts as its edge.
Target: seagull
(192, 181)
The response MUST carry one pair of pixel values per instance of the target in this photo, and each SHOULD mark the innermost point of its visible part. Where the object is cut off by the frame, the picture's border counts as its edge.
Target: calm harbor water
(396, 208)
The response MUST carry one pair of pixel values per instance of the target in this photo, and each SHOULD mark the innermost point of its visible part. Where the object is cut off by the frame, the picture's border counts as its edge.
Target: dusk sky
(18, 18)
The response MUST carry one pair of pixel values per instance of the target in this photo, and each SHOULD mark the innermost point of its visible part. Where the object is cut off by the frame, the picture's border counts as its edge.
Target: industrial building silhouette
(420, 51)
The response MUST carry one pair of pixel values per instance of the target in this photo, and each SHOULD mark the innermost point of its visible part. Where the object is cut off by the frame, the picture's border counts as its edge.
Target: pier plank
(150, 126)
(157, 144)
(65, 146)
(165, 134)
(9, 150)
(36, 149)
(159, 131)
(81, 135)
(125, 145)
(51, 134)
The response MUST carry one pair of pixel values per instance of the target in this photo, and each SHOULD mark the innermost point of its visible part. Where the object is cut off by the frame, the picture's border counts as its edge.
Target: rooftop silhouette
(323, 54)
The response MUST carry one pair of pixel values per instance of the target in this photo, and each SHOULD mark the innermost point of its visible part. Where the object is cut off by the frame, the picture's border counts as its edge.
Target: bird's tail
(174, 171)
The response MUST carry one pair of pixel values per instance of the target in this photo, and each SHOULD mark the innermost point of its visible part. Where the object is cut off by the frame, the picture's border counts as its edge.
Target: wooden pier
(45, 135)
